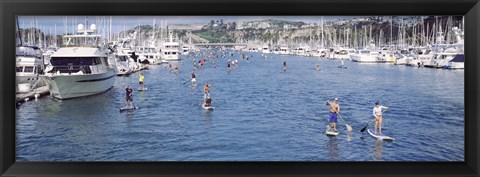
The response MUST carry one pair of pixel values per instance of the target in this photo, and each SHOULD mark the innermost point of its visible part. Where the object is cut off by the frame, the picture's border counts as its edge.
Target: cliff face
(343, 32)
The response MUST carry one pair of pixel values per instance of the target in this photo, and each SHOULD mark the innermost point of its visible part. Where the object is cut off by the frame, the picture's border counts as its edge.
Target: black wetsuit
(129, 96)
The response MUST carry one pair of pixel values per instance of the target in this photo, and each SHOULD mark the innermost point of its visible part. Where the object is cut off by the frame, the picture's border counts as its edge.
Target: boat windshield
(122, 58)
(75, 61)
(28, 51)
(171, 46)
(404, 52)
(343, 52)
(81, 40)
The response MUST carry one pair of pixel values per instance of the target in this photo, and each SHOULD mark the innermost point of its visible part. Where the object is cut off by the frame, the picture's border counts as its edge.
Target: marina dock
(41, 91)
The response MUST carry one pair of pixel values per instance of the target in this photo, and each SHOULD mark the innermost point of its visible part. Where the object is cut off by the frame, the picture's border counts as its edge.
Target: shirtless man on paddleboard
(334, 110)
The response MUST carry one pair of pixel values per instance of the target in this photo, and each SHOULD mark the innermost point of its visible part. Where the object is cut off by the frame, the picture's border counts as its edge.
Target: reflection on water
(377, 150)
(332, 146)
(349, 136)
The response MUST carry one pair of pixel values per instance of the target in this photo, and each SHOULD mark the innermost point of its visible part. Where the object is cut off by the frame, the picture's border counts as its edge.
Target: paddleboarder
(206, 93)
(377, 112)
(129, 96)
(193, 77)
(334, 110)
(141, 80)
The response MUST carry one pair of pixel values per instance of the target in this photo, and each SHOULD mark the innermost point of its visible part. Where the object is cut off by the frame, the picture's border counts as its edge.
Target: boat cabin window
(76, 61)
(364, 52)
(404, 52)
(20, 69)
(122, 58)
(398, 56)
(28, 69)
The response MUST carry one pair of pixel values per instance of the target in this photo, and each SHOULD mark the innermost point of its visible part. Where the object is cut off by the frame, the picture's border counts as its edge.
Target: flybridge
(84, 38)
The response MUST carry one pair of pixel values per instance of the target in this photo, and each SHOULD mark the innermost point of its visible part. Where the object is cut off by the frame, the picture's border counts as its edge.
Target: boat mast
(19, 32)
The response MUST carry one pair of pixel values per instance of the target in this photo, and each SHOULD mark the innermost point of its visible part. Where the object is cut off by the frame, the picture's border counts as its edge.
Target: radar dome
(93, 27)
(80, 27)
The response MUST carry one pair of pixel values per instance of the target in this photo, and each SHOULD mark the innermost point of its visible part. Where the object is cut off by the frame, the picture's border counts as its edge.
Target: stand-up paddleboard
(343, 67)
(144, 89)
(331, 132)
(194, 82)
(129, 109)
(380, 136)
(207, 107)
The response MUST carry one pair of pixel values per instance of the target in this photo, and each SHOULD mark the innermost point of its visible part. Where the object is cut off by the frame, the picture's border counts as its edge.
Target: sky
(50, 24)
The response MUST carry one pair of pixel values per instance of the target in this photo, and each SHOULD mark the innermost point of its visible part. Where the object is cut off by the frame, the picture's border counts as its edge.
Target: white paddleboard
(144, 89)
(380, 136)
(129, 109)
(331, 132)
(207, 107)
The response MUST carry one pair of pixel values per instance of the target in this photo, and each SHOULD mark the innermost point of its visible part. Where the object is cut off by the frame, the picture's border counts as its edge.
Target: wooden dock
(41, 91)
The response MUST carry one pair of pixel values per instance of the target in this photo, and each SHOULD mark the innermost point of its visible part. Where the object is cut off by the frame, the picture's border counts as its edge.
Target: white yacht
(48, 52)
(440, 60)
(80, 68)
(458, 62)
(121, 58)
(185, 50)
(265, 49)
(122, 61)
(385, 56)
(169, 50)
(29, 66)
(284, 51)
(342, 54)
(364, 56)
(276, 51)
(149, 53)
(300, 51)
(402, 57)
(420, 57)
(253, 49)
(318, 53)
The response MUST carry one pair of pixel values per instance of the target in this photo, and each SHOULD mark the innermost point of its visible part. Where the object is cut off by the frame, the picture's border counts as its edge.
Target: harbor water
(262, 113)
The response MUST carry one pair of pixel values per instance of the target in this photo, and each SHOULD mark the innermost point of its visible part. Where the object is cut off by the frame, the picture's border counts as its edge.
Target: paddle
(349, 128)
(364, 128)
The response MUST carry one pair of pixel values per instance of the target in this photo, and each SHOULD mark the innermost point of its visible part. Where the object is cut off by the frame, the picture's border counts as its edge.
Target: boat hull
(73, 86)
